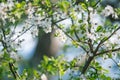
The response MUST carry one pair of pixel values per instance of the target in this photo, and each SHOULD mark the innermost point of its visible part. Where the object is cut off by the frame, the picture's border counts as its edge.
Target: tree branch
(87, 64)
(103, 40)
(103, 52)
(22, 33)
(12, 69)
(79, 38)
(11, 66)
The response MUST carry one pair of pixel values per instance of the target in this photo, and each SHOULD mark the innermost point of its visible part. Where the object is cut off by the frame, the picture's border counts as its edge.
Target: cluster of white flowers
(91, 36)
(96, 21)
(30, 10)
(4, 7)
(34, 31)
(109, 11)
(37, 19)
(60, 35)
(46, 24)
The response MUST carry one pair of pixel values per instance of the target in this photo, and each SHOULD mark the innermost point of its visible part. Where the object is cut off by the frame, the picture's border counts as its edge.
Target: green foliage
(52, 65)
(83, 32)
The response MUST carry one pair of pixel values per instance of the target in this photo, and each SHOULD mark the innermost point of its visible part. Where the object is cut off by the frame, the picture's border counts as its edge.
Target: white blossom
(47, 29)
(105, 57)
(60, 35)
(14, 56)
(115, 16)
(35, 31)
(43, 77)
(83, 77)
(109, 11)
(91, 36)
(10, 4)
(12, 20)
(30, 11)
(4, 7)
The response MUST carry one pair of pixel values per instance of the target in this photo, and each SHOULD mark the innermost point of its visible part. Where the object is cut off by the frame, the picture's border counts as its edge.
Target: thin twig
(114, 61)
(22, 33)
(107, 51)
(81, 42)
(97, 3)
(79, 38)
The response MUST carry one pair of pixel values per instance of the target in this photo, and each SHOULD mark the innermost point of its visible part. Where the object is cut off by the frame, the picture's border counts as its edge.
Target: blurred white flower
(77, 7)
(47, 29)
(43, 77)
(10, 4)
(83, 77)
(34, 31)
(12, 20)
(60, 35)
(26, 0)
(114, 39)
(90, 9)
(30, 12)
(4, 7)
(105, 57)
(15, 56)
(46, 25)
(91, 36)
(115, 16)
(109, 11)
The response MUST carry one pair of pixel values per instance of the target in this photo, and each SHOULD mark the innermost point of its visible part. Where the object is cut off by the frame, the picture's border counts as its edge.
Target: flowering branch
(105, 39)
(96, 50)
(14, 72)
(22, 33)
(71, 38)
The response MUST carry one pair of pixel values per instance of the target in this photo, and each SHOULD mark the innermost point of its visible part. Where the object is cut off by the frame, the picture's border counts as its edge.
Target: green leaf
(45, 59)
(84, 7)
(99, 28)
(64, 5)
(7, 31)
